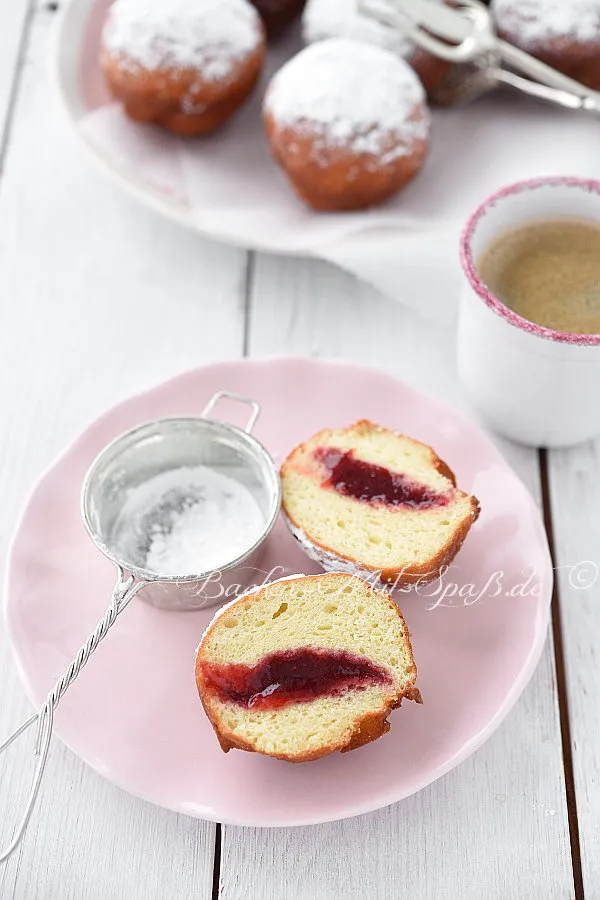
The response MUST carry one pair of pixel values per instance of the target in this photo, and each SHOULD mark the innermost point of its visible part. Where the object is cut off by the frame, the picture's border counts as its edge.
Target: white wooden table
(520, 820)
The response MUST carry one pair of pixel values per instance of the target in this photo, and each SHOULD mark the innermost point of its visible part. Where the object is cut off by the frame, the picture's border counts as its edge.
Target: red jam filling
(374, 484)
(292, 676)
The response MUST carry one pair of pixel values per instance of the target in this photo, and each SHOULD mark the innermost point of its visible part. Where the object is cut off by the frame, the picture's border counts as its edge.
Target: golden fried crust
(180, 100)
(366, 729)
(414, 574)
(430, 69)
(277, 14)
(336, 179)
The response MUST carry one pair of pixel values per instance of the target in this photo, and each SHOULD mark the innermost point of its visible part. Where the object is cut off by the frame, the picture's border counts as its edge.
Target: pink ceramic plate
(133, 714)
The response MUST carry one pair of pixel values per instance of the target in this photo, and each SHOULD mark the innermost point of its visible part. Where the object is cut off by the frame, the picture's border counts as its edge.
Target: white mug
(535, 385)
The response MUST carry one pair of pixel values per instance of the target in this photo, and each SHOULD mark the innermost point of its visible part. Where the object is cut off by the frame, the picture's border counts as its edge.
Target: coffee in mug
(528, 341)
(548, 271)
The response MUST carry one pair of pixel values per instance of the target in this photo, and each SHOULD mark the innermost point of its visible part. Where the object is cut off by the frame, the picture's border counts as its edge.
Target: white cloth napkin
(407, 248)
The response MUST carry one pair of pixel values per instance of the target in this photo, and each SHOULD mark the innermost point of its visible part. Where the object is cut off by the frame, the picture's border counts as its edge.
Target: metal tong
(464, 34)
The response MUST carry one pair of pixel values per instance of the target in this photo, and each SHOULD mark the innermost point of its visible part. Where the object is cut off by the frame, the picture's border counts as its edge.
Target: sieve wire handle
(458, 34)
(231, 396)
(124, 590)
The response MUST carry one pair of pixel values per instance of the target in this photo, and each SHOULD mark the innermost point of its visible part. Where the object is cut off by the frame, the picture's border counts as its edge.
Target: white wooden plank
(497, 826)
(575, 494)
(98, 298)
(14, 17)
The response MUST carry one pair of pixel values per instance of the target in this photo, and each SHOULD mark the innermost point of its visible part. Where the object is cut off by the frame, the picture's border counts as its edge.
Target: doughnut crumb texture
(330, 654)
(348, 123)
(372, 502)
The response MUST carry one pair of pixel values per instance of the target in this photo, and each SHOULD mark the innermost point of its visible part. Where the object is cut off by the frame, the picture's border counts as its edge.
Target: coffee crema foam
(548, 271)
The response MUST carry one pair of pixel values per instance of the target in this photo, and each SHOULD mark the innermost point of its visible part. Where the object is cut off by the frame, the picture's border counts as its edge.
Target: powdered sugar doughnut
(326, 19)
(186, 66)
(348, 124)
(564, 34)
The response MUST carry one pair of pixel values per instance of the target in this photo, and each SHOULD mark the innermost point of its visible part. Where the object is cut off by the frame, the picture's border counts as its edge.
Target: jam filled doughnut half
(348, 124)
(186, 66)
(368, 501)
(304, 666)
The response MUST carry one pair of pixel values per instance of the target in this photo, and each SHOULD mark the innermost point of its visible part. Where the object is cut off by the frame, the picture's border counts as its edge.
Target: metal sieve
(150, 454)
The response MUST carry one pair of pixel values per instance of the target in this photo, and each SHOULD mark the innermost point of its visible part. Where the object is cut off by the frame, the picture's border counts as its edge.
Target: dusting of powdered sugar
(532, 22)
(208, 35)
(349, 94)
(324, 19)
(187, 521)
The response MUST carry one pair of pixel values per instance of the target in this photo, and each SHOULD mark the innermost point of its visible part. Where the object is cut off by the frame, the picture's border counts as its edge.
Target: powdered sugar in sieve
(191, 519)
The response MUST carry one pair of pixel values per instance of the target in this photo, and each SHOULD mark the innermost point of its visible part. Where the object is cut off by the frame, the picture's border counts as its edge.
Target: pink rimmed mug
(530, 383)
